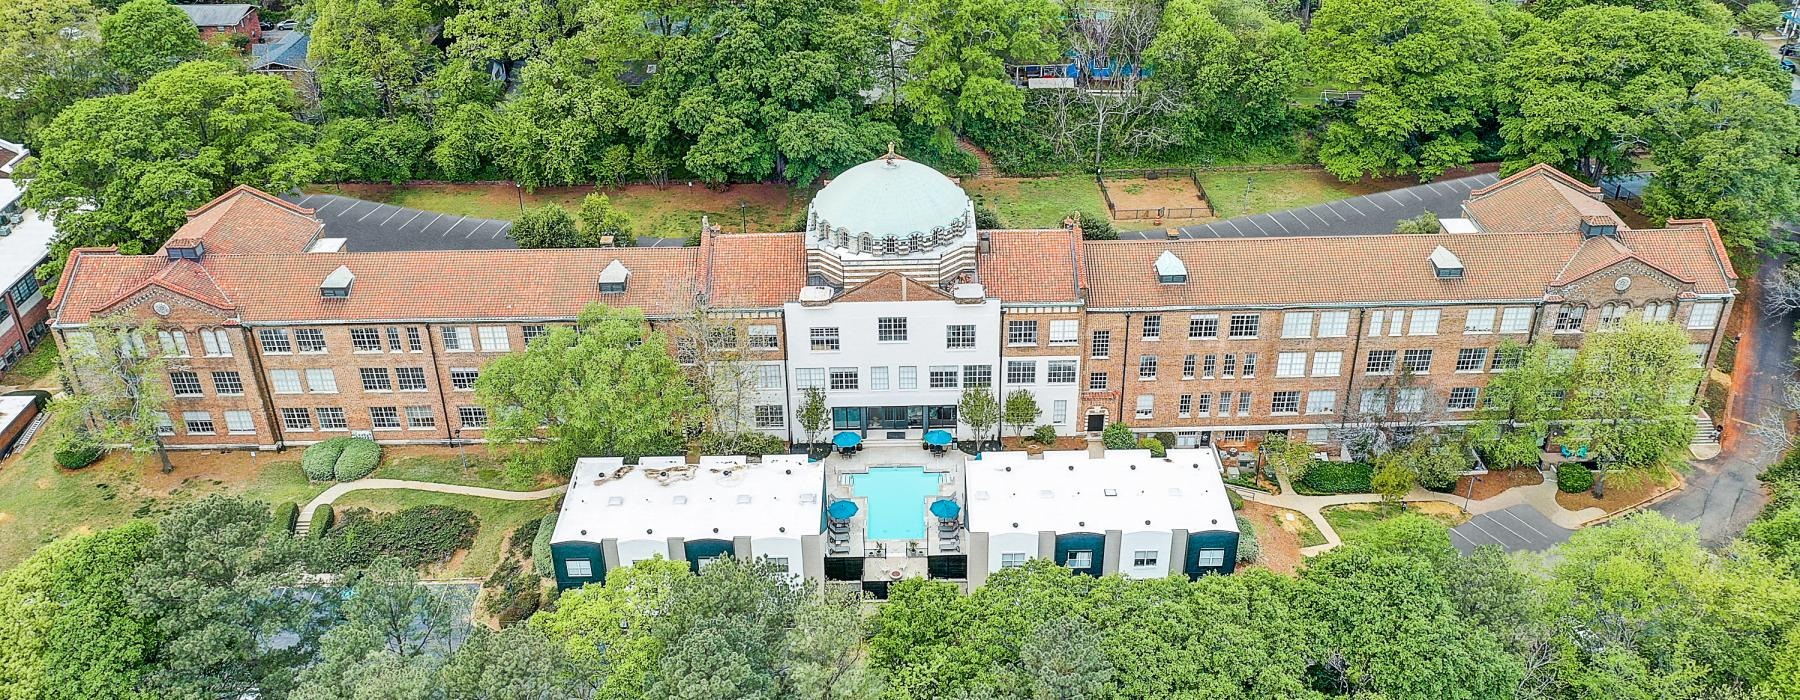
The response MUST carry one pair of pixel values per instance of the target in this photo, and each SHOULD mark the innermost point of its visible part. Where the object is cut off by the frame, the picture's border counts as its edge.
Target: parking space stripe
(1315, 215)
(1332, 207)
(414, 218)
(304, 200)
(434, 220)
(1296, 216)
(1396, 200)
(1521, 521)
(371, 211)
(397, 211)
(1234, 226)
(351, 208)
(1371, 202)
(1353, 208)
(1477, 524)
(1504, 526)
(1258, 226)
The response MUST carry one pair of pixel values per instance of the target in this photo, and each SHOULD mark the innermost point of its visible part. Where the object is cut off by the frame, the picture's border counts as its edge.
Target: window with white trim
(1569, 317)
(1100, 344)
(578, 568)
(1658, 311)
(908, 378)
(809, 378)
(1704, 314)
(1318, 436)
(1059, 411)
(239, 423)
(1009, 560)
(472, 416)
(215, 342)
(942, 376)
(1285, 403)
(375, 379)
(1374, 401)
(409, 378)
(1322, 401)
(321, 380)
(1515, 319)
(768, 377)
(824, 339)
(228, 383)
(415, 341)
(1065, 332)
(771, 415)
(284, 381)
(1327, 364)
(1189, 365)
(1211, 557)
(1290, 364)
(1146, 406)
(1334, 324)
(1021, 332)
(1296, 324)
(533, 331)
(274, 341)
(331, 418)
(296, 419)
(1096, 381)
(1021, 372)
(1203, 405)
(463, 378)
(1243, 407)
(1249, 368)
(764, 337)
(1153, 327)
(185, 383)
(1203, 327)
(494, 339)
(1209, 366)
(384, 418)
(1612, 315)
(890, 329)
(1245, 325)
(959, 337)
(1079, 559)
(844, 379)
(1417, 361)
(365, 339)
(1144, 557)
(1471, 359)
(174, 343)
(1379, 362)
(1409, 400)
(1146, 367)
(1230, 370)
(1184, 406)
(1462, 398)
(420, 418)
(197, 422)
(1424, 322)
(1479, 321)
(310, 340)
(878, 378)
(458, 338)
(1059, 372)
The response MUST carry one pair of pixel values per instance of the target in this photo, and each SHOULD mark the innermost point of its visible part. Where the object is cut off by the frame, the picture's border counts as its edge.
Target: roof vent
(680, 500)
(615, 500)
(1170, 269)
(337, 284)
(968, 292)
(809, 498)
(1447, 265)
(613, 278)
(1592, 226)
(743, 499)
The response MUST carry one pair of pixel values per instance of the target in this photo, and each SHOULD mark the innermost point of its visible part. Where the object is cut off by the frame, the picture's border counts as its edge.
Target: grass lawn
(472, 466)
(37, 370)
(1349, 520)
(1246, 193)
(498, 519)
(672, 211)
(1041, 202)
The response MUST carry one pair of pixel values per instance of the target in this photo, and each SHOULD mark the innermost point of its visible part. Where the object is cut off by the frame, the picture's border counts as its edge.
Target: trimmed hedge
(1118, 436)
(1339, 477)
(359, 457)
(78, 456)
(287, 517)
(415, 536)
(1573, 477)
(322, 520)
(320, 460)
(541, 562)
(1154, 445)
(1248, 548)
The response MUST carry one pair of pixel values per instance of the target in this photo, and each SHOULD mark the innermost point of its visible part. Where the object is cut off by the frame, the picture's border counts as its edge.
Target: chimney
(984, 242)
(1096, 446)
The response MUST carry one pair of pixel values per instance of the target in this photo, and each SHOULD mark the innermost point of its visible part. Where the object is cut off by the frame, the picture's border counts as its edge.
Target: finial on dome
(890, 154)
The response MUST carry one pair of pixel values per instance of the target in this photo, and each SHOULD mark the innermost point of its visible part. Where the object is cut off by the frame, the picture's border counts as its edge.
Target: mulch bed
(1496, 482)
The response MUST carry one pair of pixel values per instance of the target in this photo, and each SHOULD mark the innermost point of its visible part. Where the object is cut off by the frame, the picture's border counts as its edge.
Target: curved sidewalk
(337, 490)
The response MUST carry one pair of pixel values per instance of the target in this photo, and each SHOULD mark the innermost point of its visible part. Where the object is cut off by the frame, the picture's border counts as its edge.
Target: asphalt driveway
(1513, 529)
(1369, 214)
(373, 226)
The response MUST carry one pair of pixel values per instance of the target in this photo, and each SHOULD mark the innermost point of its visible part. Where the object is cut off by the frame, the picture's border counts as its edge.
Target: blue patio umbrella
(846, 439)
(945, 508)
(938, 437)
(841, 509)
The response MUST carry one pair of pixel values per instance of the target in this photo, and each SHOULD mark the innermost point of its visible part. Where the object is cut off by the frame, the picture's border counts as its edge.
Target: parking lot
(372, 226)
(1355, 216)
(1513, 529)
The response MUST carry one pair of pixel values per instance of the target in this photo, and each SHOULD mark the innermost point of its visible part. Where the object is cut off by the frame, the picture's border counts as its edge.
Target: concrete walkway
(338, 490)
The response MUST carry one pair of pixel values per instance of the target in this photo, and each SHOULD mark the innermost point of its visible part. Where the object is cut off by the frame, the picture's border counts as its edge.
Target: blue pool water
(897, 500)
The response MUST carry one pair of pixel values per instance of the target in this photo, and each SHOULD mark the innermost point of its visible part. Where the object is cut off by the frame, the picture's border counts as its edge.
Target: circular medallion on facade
(161, 308)
(1622, 284)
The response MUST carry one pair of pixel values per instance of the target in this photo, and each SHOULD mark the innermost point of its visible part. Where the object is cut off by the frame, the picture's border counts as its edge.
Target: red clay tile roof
(892, 286)
(754, 270)
(1538, 198)
(185, 277)
(1034, 266)
(247, 220)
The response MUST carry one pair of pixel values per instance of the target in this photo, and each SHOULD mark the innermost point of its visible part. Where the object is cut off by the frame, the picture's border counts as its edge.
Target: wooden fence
(1204, 210)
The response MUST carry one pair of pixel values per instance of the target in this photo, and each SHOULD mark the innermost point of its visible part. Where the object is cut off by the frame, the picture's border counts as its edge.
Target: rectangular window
(1471, 359)
(1010, 560)
(1285, 403)
(979, 375)
(1021, 372)
(959, 337)
(365, 339)
(844, 379)
(472, 416)
(1209, 366)
(410, 378)
(1321, 401)
(1416, 361)
(1225, 399)
(321, 381)
(1705, 314)
(723, 337)
(771, 416)
(769, 377)
(1144, 557)
(1290, 364)
(185, 383)
(284, 381)
(464, 379)
(1059, 372)
(764, 337)
(239, 423)
(1184, 406)
(1249, 369)
(1100, 344)
(494, 339)
(1204, 327)
(1374, 401)
(228, 383)
(415, 342)
(331, 418)
(908, 379)
(1146, 406)
(1380, 362)
(310, 340)
(890, 329)
(296, 419)
(1462, 398)
(1059, 412)
(215, 342)
(1327, 364)
(1479, 321)
(1096, 381)
(376, 379)
(824, 339)
(1613, 315)
(458, 339)
(274, 341)
(174, 343)
(878, 378)
(1021, 332)
(579, 568)
(1515, 319)
(942, 376)
(1243, 404)
(1212, 557)
(1153, 327)
(804, 377)
(393, 338)
(1569, 317)
(197, 422)
(1065, 332)
(1230, 370)
(533, 332)
(1424, 322)
(1203, 404)
(1396, 321)
(1334, 324)
(1296, 324)
(384, 417)
(1245, 325)
(1146, 367)
(1655, 312)
(1375, 322)
(1410, 400)
(420, 418)
(1318, 436)
(1189, 366)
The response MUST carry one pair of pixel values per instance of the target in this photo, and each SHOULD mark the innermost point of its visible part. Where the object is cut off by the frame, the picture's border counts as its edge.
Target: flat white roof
(1458, 226)
(1068, 491)
(12, 408)
(25, 247)
(778, 498)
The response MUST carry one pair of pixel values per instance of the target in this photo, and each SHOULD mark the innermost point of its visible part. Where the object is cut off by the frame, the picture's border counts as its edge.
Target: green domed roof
(890, 197)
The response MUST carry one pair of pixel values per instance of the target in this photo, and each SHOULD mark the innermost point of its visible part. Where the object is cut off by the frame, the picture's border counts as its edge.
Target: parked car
(1787, 64)
(286, 24)
(1789, 49)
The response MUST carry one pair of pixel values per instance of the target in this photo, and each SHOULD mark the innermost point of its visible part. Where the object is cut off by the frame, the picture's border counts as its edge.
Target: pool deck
(838, 470)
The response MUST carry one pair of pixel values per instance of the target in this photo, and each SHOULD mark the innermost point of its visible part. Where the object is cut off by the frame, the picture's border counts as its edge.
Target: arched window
(1612, 314)
(1658, 311)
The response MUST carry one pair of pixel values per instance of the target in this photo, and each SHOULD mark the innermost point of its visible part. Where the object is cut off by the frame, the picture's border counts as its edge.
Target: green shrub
(319, 462)
(1118, 436)
(1573, 477)
(414, 536)
(541, 562)
(77, 454)
(1154, 445)
(1787, 470)
(287, 516)
(322, 520)
(359, 457)
(512, 593)
(1338, 477)
(746, 443)
(1237, 502)
(1167, 439)
(1045, 434)
(1097, 228)
(986, 218)
(1248, 548)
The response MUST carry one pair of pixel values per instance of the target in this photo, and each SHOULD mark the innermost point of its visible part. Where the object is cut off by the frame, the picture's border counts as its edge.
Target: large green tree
(1633, 397)
(1230, 67)
(1519, 403)
(372, 56)
(958, 70)
(119, 372)
(393, 633)
(67, 631)
(146, 37)
(50, 56)
(1725, 151)
(1425, 68)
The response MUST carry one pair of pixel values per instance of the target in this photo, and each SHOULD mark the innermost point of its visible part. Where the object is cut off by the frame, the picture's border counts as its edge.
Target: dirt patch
(1145, 193)
(213, 468)
(1279, 538)
(1620, 494)
(1030, 446)
(6, 518)
(1496, 482)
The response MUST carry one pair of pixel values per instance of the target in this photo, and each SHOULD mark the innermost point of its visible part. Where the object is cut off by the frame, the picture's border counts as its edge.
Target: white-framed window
(1100, 344)
(809, 378)
(1021, 371)
(1290, 364)
(1184, 406)
(174, 343)
(1698, 352)
(1318, 436)
(197, 422)
(384, 417)
(420, 418)
(764, 337)
(1212, 557)
(1704, 314)
(215, 342)
(463, 378)
(185, 383)
(1153, 327)
(1203, 405)
(1296, 324)
(1209, 366)
(978, 375)
(239, 423)
(331, 418)
(1146, 367)
(1327, 364)
(1396, 322)
(1245, 325)
(1612, 315)
(578, 568)
(296, 419)
(1249, 369)
(321, 381)
(1324, 401)
(844, 379)
(228, 383)
(1010, 560)
(365, 339)
(1189, 366)
(284, 381)
(1203, 327)
(393, 338)
(1225, 399)
(472, 416)
(878, 378)
(1146, 406)
(771, 415)
(409, 378)
(941, 376)
(890, 329)
(1658, 311)
(1569, 317)
(375, 379)
(1059, 411)
(1374, 401)
(1065, 331)
(1059, 372)
(1515, 319)
(1284, 403)
(1230, 370)
(1380, 362)
(824, 339)
(959, 337)
(458, 338)
(1479, 321)
(908, 378)
(1144, 557)
(777, 564)
(415, 341)
(1334, 324)
(310, 340)
(1096, 381)
(1021, 332)
(1471, 359)
(494, 339)
(1424, 322)
(532, 331)
(1080, 559)
(274, 341)
(1462, 398)
(1417, 361)
(1409, 400)
(768, 376)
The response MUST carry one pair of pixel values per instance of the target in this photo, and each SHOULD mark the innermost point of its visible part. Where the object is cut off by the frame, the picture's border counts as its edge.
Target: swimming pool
(897, 498)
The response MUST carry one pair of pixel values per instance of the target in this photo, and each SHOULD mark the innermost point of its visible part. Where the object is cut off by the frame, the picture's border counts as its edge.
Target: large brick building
(1212, 340)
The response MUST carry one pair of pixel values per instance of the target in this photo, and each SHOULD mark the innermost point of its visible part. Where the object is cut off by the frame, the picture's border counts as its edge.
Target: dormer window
(1592, 226)
(337, 284)
(1170, 269)
(1446, 264)
(614, 278)
(187, 252)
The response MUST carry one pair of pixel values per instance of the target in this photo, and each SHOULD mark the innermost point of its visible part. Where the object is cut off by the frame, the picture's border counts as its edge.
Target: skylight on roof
(1446, 264)
(614, 277)
(1170, 269)
(337, 284)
